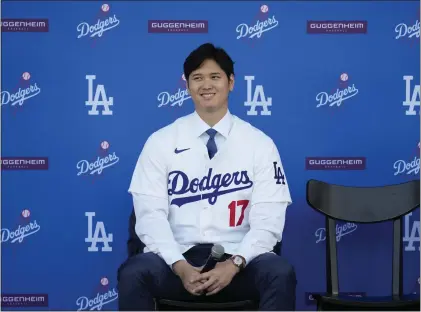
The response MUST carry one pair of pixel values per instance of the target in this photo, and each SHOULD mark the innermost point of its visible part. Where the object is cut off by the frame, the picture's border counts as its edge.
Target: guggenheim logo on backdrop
(336, 27)
(177, 26)
(24, 25)
(336, 163)
(24, 163)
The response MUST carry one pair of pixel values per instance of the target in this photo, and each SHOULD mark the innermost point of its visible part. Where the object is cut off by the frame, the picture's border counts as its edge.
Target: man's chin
(211, 108)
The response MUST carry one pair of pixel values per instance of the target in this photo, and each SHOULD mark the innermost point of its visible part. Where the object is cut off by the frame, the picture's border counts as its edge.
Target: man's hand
(217, 279)
(189, 276)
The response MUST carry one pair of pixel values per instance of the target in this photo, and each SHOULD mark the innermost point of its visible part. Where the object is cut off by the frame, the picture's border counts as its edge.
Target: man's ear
(231, 82)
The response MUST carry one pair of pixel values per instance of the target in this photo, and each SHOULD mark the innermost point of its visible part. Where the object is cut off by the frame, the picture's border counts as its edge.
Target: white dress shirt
(174, 180)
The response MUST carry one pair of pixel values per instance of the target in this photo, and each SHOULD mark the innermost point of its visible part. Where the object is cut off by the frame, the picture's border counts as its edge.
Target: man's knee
(140, 267)
(276, 268)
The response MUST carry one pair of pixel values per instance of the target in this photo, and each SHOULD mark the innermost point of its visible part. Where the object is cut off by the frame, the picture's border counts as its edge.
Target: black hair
(208, 51)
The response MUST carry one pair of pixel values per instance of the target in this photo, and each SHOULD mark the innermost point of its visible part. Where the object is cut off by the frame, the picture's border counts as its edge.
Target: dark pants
(268, 278)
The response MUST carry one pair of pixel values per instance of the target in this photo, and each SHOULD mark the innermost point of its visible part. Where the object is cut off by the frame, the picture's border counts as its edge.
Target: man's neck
(212, 118)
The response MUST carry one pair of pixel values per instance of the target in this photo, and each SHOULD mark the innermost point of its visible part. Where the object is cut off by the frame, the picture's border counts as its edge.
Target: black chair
(135, 246)
(364, 205)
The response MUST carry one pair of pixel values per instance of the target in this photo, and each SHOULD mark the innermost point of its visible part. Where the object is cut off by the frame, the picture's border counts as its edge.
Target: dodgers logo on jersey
(217, 185)
(279, 175)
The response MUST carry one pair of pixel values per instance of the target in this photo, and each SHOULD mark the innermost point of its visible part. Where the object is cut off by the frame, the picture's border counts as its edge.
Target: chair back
(134, 244)
(363, 205)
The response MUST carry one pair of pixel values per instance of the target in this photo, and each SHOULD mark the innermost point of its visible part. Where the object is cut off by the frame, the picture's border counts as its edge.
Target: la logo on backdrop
(98, 99)
(24, 90)
(104, 295)
(411, 234)
(25, 228)
(103, 22)
(257, 100)
(99, 235)
(412, 95)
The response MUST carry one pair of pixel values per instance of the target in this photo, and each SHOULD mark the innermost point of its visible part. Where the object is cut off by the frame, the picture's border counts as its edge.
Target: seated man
(208, 178)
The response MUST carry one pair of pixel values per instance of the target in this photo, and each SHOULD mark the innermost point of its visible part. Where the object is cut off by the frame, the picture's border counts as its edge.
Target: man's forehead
(208, 66)
(207, 71)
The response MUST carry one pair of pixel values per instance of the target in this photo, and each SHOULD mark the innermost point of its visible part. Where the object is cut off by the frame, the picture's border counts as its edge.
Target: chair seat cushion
(368, 301)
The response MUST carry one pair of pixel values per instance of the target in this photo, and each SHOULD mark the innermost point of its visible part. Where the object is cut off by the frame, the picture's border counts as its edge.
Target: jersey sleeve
(269, 201)
(149, 176)
(270, 182)
(150, 200)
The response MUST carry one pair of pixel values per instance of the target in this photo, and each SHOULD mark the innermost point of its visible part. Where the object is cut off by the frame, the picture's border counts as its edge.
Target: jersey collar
(223, 126)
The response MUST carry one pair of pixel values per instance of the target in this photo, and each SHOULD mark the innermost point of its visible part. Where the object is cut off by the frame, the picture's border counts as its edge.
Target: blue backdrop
(342, 78)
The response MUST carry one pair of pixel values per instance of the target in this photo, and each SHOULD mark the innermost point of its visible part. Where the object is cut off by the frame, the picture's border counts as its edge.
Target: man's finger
(204, 286)
(192, 289)
(195, 293)
(215, 291)
(212, 287)
(200, 277)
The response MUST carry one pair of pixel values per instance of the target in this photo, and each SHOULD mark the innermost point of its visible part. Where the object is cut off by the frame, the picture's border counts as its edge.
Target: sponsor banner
(24, 300)
(335, 163)
(336, 27)
(178, 26)
(24, 163)
(24, 25)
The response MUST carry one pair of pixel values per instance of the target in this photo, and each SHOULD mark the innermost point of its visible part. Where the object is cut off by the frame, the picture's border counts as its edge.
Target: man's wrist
(235, 269)
(177, 266)
(238, 262)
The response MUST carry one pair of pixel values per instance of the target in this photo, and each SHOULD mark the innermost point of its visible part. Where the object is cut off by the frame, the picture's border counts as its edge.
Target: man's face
(209, 87)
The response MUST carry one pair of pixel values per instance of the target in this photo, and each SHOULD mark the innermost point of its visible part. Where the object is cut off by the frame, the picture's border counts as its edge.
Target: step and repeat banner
(335, 84)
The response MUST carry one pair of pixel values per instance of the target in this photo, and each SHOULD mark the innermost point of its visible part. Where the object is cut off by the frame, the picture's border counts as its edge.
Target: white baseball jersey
(182, 197)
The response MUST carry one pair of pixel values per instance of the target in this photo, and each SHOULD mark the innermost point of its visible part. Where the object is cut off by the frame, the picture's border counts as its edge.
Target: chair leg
(319, 306)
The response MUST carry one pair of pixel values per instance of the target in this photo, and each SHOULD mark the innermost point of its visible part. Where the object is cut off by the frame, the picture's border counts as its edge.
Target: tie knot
(211, 132)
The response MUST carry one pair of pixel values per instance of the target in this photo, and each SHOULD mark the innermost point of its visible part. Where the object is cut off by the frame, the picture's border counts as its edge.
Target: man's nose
(207, 84)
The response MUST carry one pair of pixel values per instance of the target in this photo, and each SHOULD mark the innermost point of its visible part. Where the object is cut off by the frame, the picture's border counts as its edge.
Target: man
(208, 178)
